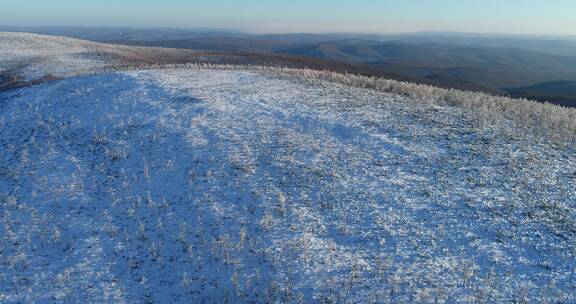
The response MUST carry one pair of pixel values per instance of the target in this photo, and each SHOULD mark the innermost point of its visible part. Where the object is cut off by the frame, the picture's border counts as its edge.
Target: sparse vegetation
(517, 116)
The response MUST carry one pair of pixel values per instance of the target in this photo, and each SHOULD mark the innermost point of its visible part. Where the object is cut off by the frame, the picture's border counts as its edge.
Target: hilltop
(122, 182)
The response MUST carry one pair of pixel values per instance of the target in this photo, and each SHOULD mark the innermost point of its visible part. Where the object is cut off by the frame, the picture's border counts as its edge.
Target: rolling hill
(489, 69)
(230, 184)
(561, 92)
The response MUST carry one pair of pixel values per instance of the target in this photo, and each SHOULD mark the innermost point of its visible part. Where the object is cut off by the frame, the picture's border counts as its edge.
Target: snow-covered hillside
(215, 186)
(32, 57)
(35, 56)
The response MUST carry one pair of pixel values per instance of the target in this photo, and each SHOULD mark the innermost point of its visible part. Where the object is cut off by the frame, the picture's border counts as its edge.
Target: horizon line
(256, 33)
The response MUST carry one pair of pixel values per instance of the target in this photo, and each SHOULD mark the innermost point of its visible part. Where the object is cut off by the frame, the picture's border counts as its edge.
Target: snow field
(198, 185)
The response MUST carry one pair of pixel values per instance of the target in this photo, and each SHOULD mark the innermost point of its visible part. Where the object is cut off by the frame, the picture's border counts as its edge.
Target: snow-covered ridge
(198, 185)
(34, 56)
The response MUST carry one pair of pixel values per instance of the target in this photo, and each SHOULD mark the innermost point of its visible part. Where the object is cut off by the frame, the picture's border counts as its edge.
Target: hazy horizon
(515, 17)
(248, 32)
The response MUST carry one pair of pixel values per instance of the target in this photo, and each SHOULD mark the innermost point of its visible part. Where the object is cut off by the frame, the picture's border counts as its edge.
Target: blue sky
(375, 16)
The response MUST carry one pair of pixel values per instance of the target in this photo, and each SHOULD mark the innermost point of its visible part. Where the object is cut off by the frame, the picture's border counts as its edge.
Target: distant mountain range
(537, 67)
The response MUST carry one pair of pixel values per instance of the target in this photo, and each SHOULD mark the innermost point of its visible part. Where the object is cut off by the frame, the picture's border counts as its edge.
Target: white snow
(198, 185)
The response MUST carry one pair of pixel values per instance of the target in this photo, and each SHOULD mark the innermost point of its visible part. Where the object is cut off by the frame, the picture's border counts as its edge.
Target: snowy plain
(229, 186)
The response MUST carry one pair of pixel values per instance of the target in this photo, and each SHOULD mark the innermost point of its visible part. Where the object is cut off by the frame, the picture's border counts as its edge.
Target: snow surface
(219, 186)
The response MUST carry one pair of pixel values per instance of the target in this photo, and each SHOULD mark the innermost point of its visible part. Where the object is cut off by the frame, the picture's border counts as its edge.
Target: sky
(273, 16)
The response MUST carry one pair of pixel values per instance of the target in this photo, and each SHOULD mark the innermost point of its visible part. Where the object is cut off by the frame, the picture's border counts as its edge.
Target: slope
(204, 185)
